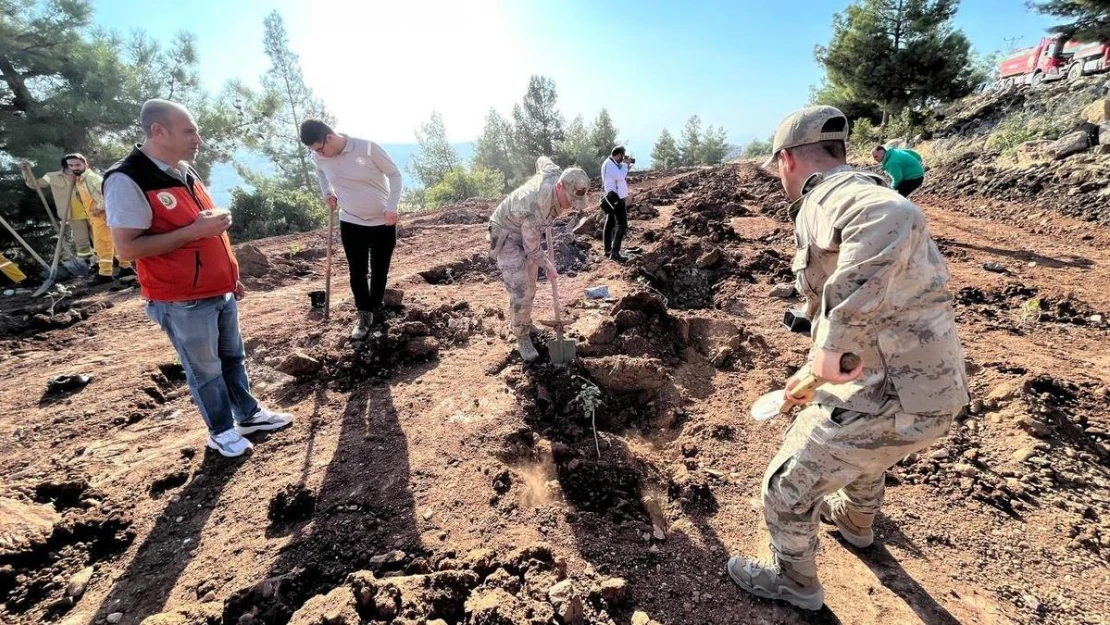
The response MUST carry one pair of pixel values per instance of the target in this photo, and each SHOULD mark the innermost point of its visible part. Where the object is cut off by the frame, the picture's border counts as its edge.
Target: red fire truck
(1054, 58)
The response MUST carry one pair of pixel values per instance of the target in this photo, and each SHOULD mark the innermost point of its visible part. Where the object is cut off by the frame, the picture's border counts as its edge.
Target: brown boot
(793, 582)
(854, 527)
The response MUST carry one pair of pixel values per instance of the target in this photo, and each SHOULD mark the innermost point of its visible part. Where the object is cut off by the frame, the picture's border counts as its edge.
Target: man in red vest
(162, 216)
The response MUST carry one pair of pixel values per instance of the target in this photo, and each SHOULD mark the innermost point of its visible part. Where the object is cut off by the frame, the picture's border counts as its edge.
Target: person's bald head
(171, 133)
(162, 112)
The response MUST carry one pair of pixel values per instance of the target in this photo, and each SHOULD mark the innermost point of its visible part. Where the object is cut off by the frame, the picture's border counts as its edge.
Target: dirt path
(406, 460)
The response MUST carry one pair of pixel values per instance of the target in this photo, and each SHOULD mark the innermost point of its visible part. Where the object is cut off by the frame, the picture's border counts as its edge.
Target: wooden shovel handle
(809, 382)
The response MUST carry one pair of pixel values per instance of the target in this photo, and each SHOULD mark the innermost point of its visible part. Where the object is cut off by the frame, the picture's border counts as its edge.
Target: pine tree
(690, 146)
(1085, 20)
(491, 151)
(714, 146)
(603, 136)
(578, 150)
(435, 156)
(537, 126)
(291, 102)
(67, 86)
(899, 53)
(665, 154)
(757, 147)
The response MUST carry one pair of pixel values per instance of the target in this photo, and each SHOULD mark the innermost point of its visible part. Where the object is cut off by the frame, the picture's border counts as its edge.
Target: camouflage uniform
(875, 285)
(516, 230)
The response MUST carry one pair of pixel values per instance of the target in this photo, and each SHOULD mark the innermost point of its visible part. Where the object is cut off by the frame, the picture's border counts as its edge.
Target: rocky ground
(430, 477)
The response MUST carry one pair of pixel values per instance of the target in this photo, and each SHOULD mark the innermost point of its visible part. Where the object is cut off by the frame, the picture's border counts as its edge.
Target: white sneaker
(263, 421)
(229, 443)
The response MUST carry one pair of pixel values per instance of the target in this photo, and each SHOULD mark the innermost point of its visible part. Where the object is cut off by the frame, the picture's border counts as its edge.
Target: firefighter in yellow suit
(87, 216)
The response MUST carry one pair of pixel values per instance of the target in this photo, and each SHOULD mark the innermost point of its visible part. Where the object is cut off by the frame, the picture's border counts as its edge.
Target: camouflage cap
(576, 184)
(812, 124)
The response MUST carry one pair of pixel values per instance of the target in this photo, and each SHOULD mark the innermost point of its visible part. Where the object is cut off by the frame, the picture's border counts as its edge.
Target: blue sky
(382, 68)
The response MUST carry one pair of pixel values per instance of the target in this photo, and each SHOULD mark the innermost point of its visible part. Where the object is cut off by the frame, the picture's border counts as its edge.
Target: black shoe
(617, 258)
(126, 273)
(99, 279)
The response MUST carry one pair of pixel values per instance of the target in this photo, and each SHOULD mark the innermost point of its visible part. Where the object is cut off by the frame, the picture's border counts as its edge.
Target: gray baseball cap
(576, 184)
(812, 124)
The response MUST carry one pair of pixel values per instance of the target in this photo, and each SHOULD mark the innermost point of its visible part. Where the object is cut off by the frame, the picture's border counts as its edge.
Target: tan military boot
(793, 582)
(854, 526)
(527, 350)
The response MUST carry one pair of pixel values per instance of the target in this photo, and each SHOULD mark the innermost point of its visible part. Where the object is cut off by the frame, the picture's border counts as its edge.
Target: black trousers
(369, 251)
(616, 224)
(906, 187)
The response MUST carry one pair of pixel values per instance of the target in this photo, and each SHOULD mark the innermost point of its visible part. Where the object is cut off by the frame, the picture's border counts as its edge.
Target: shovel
(59, 248)
(30, 250)
(561, 350)
(327, 272)
(774, 403)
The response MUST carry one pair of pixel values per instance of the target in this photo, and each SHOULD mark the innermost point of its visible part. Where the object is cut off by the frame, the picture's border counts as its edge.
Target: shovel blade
(561, 351)
(769, 405)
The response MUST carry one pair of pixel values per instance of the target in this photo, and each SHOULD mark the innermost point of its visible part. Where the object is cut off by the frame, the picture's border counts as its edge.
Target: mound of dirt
(414, 336)
(527, 586)
(685, 270)
(292, 504)
(1074, 187)
(1016, 307)
(1062, 446)
(472, 211)
(41, 317)
(639, 326)
(63, 528)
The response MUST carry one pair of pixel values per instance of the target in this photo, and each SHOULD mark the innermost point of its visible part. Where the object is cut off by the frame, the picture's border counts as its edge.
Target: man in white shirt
(614, 174)
(358, 176)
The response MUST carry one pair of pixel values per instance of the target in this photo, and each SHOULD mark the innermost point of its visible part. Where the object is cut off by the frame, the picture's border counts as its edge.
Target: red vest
(197, 270)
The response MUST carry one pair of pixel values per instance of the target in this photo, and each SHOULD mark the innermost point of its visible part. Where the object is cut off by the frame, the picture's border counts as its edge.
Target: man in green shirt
(904, 167)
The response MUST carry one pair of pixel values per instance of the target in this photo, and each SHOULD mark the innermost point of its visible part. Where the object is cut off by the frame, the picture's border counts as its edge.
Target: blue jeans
(205, 334)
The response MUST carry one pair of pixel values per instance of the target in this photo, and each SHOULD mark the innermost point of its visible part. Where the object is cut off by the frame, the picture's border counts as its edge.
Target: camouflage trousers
(518, 272)
(827, 450)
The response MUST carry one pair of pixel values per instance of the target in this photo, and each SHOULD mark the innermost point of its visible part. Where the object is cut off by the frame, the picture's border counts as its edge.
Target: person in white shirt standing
(614, 181)
(359, 178)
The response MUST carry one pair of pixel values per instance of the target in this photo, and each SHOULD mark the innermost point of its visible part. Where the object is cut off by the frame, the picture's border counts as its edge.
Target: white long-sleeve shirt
(358, 176)
(614, 177)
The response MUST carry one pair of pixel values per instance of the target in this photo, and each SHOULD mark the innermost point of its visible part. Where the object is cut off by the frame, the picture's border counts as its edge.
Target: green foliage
(69, 87)
(491, 151)
(277, 112)
(459, 184)
(587, 145)
(577, 149)
(665, 154)
(273, 210)
(714, 146)
(1030, 312)
(537, 127)
(697, 147)
(690, 146)
(436, 156)
(757, 147)
(603, 138)
(1012, 132)
(898, 53)
(1085, 20)
(413, 198)
(843, 98)
(589, 397)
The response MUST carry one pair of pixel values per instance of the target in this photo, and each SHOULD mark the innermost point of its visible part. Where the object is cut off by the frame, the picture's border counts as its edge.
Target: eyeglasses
(320, 150)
